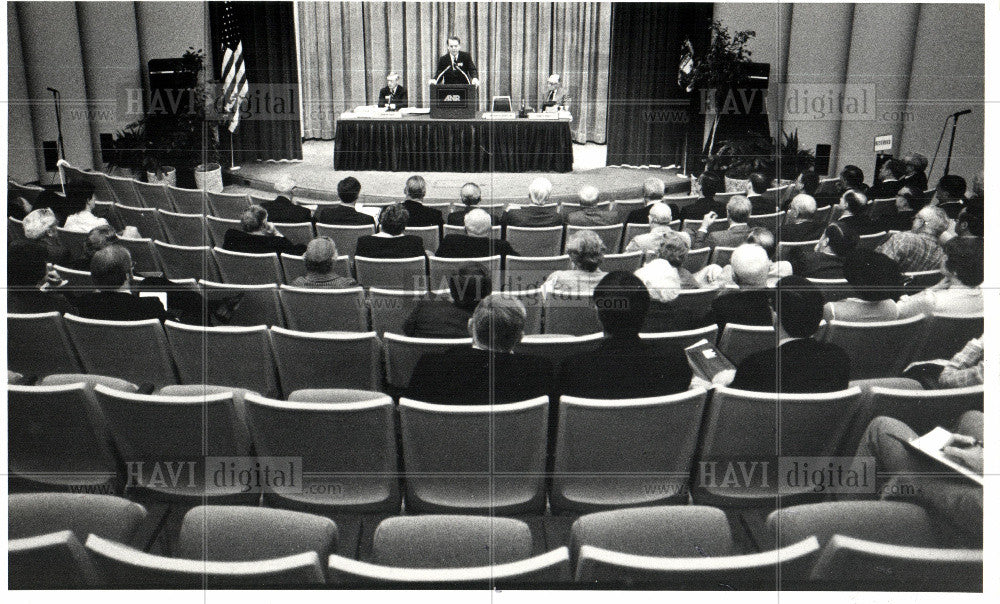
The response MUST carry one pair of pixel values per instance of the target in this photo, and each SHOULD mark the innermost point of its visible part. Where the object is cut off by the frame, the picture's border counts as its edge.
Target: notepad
(930, 444)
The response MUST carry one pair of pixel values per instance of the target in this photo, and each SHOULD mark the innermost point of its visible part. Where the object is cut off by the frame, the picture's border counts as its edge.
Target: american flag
(233, 68)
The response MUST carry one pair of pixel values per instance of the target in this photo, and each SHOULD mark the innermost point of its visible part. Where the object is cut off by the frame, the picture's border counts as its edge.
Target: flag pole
(232, 151)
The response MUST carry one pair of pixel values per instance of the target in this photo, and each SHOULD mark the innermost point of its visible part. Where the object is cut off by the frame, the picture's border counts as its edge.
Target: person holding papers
(456, 66)
(392, 96)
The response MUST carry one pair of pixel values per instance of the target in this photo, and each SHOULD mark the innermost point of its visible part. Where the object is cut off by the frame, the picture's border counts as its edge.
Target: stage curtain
(649, 115)
(346, 49)
(268, 33)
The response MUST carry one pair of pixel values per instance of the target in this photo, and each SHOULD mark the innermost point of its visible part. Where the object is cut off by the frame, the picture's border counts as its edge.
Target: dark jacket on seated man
(533, 216)
(441, 318)
(624, 366)
(467, 246)
(120, 306)
(403, 246)
(239, 241)
(281, 209)
(343, 215)
(421, 215)
(801, 364)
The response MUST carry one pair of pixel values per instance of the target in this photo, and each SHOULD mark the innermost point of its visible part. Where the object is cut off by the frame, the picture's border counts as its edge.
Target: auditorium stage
(316, 179)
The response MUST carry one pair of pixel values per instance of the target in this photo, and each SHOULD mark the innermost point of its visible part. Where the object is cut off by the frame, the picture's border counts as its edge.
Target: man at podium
(456, 66)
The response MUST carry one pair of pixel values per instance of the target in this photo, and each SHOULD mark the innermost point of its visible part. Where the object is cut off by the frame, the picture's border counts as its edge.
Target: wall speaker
(107, 147)
(50, 155)
(823, 160)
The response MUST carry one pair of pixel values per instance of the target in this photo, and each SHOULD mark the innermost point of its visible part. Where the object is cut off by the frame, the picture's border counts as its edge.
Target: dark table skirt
(420, 144)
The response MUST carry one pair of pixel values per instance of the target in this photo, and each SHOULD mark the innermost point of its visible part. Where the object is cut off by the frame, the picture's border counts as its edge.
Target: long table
(418, 143)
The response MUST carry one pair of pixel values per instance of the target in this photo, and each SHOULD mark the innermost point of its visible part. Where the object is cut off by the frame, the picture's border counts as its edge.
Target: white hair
(38, 222)
(750, 265)
(804, 205)
(539, 191)
(477, 223)
(588, 195)
(284, 185)
(659, 213)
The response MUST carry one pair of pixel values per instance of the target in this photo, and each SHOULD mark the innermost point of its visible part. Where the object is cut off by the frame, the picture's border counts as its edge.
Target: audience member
(17, 206)
(738, 210)
(653, 191)
(343, 213)
(799, 363)
(806, 182)
(589, 213)
(258, 236)
(826, 261)
(751, 304)
(391, 241)
(851, 179)
(79, 204)
(965, 368)
(800, 222)
(420, 215)
(111, 271)
(959, 292)
(470, 195)
(888, 182)
(853, 208)
(765, 238)
(914, 171)
(711, 185)
(970, 222)
(61, 207)
(918, 249)
(624, 366)
(950, 194)
(539, 213)
(30, 282)
(282, 209)
(875, 281)
(586, 251)
(907, 206)
(97, 239)
(489, 371)
(659, 216)
(437, 318)
(477, 241)
(40, 226)
(664, 275)
(319, 257)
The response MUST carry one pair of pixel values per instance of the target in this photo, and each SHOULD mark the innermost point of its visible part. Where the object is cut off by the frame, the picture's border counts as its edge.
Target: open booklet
(930, 444)
(709, 364)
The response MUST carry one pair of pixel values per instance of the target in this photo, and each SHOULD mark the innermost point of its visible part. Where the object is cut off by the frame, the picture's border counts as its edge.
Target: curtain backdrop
(271, 129)
(649, 115)
(347, 48)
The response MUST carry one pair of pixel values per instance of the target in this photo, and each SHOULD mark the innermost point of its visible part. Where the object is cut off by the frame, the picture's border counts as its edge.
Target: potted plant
(127, 150)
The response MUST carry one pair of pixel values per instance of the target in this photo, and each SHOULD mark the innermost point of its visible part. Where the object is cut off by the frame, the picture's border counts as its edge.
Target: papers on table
(499, 115)
(415, 110)
(930, 444)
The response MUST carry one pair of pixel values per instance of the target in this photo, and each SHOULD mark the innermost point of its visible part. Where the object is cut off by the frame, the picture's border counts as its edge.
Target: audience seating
(240, 268)
(143, 219)
(189, 201)
(135, 351)
(124, 191)
(53, 561)
(153, 195)
(395, 273)
(611, 235)
(628, 262)
(184, 229)
(217, 228)
(872, 240)
(881, 207)
(533, 306)
(144, 256)
(556, 347)
(73, 241)
(947, 334)
(402, 354)
(254, 304)
(348, 451)
(876, 349)
(588, 444)
(29, 192)
(223, 533)
(481, 459)
(295, 266)
(632, 230)
(686, 309)
(922, 410)
(770, 222)
(37, 344)
(529, 272)
(624, 206)
(721, 255)
(833, 289)
(741, 428)
(442, 268)
(58, 440)
(737, 342)
(571, 314)
(326, 360)
(35, 514)
(697, 259)
(345, 237)
(431, 236)
(324, 309)
(918, 281)
(391, 308)
(228, 205)
(15, 229)
(823, 214)
(682, 339)
(786, 248)
(184, 262)
(454, 229)
(890, 522)
(693, 224)
(238, 357)
(535, 241)
(76, 281)
(102, 190)
(297, 232)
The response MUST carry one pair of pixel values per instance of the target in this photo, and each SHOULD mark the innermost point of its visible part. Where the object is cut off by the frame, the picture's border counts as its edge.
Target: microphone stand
(951, 143)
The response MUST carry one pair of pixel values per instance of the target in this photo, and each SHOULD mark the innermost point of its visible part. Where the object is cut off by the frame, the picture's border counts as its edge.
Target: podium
(454, 101)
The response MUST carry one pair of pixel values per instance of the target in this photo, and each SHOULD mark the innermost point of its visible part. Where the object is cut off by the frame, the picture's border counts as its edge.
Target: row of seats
(70, 435)
(275, 360)
(60, 541)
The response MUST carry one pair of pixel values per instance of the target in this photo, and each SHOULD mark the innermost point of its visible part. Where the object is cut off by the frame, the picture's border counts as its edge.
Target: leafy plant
(738, 158)
(725, 64)
(128, 147)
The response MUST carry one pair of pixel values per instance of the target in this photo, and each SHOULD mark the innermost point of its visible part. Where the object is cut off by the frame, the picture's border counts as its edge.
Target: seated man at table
(476, 242)
(390, 241)
(344, 213)
(258, 236)
(539, 213)
(591, 215)
(470, 196)
(420, 215)
(488, 371)
(392, 94)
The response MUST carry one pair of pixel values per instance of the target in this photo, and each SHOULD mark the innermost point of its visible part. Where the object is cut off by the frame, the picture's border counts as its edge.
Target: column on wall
(20, 137)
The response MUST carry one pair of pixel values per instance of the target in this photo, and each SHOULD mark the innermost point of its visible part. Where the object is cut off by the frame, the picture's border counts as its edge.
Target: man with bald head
(589, 214)
(470, 195)
(918, 249)
(800, 223)
(539, 212)
(649, 243)
(751, 304)
(476, 242)
(653, 191)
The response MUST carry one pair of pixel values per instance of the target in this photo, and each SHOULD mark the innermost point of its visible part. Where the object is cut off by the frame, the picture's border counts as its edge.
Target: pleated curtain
(346, 49)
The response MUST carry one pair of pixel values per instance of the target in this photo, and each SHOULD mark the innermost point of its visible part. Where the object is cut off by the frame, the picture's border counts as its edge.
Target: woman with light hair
(665, 274)
(586, 251)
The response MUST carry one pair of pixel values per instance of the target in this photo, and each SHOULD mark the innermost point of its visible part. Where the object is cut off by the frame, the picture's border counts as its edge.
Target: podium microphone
(437, 80)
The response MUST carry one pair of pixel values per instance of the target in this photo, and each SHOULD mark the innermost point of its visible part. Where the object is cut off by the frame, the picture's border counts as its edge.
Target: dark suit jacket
(625, 368)
(533, 216)
(462, 376)
(763, 205)
(398, 96)
(743, 307)
(281, 209)
(406, 246)
(885, 190)
(830, 193)
(641, 215)
(593, 217)
(900, 221)
(238, 241)
(119, 306)
(807, 230)
(344, 215)
(464, 62)
(817, 265)
(916, 181)
(952, 208)
(421, 215)
(731, 237)
(806, 366)
(862, 225)
(457, 217)
(466, 246)
(698, 209)
(437, 319)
